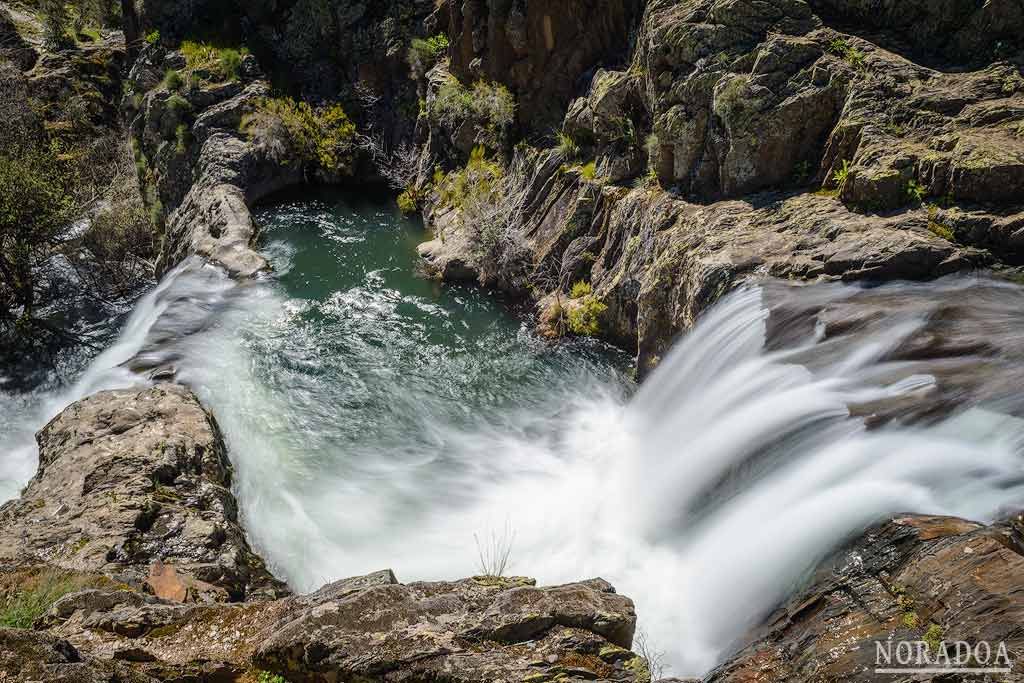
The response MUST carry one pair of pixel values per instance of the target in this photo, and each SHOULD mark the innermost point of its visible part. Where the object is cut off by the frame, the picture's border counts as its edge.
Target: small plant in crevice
(916, 192)
(841, 174)
(933, 637)
(567, 147)
(580, 290)
(267, 677)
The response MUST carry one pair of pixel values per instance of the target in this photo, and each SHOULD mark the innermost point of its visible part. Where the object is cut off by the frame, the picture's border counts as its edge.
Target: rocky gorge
(658, 157)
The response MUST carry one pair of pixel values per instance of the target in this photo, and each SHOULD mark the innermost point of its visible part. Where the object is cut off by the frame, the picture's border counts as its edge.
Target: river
(378, 419)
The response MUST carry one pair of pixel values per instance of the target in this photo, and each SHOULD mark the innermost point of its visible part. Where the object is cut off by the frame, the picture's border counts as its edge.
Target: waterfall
(370, 427)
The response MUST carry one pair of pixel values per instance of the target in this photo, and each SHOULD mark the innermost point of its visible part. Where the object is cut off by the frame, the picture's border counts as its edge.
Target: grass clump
(567, 147)
(489, 107)
(323, 135)
(23, 607)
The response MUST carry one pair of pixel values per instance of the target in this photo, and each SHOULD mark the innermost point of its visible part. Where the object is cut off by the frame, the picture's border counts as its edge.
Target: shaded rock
(540, 49)
(135, 484)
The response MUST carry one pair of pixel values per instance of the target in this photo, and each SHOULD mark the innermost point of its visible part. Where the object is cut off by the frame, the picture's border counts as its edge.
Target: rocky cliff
(800, 140)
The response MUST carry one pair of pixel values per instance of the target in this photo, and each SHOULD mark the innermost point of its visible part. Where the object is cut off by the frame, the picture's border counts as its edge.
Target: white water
(706, 497)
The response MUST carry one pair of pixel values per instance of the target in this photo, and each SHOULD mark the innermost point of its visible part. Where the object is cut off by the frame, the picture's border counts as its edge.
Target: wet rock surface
(913, 578)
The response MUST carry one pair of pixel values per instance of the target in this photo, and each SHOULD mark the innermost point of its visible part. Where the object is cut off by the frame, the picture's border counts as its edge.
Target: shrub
(407, 202)
(323, 136)
(585, 319)
(588, 171)
(153, 37)
(488, 107)
(424, 54)
(54, 14)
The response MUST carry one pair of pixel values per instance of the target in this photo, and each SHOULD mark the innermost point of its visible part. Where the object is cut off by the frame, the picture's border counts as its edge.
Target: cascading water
(377, 420)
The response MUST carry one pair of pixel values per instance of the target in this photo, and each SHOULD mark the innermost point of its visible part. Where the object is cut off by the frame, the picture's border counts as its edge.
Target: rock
(41, 658)
(540, 49)
(369, 628)
(895, 582)
(207, 182)
(136, 485)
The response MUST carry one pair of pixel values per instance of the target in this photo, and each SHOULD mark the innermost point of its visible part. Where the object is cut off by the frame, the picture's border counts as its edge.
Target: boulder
(136, 485)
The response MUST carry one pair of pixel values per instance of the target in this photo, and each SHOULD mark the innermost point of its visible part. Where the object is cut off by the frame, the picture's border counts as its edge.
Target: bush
(488, 107)
(585, 319)
(407, 202)
(424, 54)
(324, 136)
(173, 80)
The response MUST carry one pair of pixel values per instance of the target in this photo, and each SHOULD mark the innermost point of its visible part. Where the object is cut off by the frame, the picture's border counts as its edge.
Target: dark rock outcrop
(136, 485)
(913, 579)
